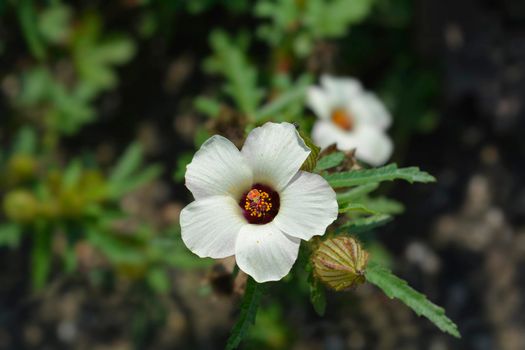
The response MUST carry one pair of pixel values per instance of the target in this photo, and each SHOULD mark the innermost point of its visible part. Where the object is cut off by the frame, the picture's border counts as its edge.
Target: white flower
(351, 118)
(255, 203)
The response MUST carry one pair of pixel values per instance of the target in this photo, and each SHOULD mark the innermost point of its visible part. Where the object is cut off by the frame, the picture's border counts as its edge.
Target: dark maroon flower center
(260, 204)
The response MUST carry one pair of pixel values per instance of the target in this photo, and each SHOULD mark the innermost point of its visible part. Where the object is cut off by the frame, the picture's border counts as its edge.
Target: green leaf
(230, 60)
(330, 161)
(249, 306)
(117, 189)
(10, 234)
(383, 205)
(25, 141)
(27, 17)
(317, 297)
(208, 106)
(310, 162)
(359, 207)
(72, 174)
(275, 106)
(386, 173)
(53, 23)
(356, 193)
(394, 287)
(361, 225)
(128, 163)
(41, 258)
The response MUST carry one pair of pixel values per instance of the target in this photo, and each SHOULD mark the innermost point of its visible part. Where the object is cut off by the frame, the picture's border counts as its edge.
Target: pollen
(260, 204)
(342, 119)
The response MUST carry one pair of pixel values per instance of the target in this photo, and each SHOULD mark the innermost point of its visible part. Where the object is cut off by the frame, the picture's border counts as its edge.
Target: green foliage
(394, 287)
(387, 173)
(361, 225)
(230, 61)
(356, 193)
(249, 305)
(330, 161)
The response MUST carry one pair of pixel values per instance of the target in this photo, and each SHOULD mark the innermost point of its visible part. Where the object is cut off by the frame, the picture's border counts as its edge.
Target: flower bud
(20, 206)
(340, 263)
(21, 167)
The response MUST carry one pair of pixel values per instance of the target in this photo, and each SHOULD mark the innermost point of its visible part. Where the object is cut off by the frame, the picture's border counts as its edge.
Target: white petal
(341, 89)
(308, 206)
(368, 109)
(210, 226)
(218, 168)
(325, 133)
(275, 152)
(265, 252)
(320, 102)
(373, 145)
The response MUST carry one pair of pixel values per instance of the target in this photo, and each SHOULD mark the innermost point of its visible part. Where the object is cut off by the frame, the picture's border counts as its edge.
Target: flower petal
(373, 145)
(275, 152)
(341, 89)
(218, 168)
(308, 206)
(368, 109)
(265, 252)
(325, 133)
(210, 226)
(320, 102)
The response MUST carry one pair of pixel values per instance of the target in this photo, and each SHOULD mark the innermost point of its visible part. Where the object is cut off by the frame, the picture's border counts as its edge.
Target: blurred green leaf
(128, 163)
(249, 305)
(25, 141)
(394, 287)
(41, 257)
(158, 280)
(10, 235)
(29, 22)
(241, 77)
(207, 106)
(53, 23)
(310, 162)
(317, 297)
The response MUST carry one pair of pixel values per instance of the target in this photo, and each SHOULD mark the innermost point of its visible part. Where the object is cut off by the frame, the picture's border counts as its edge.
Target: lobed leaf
(387, 173)
(395, 287)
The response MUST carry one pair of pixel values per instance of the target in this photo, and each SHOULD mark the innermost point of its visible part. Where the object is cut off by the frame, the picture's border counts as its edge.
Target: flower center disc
(260, 204)
(342, 119)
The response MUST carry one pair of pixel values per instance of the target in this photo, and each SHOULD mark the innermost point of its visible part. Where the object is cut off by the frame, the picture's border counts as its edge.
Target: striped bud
(340, 263)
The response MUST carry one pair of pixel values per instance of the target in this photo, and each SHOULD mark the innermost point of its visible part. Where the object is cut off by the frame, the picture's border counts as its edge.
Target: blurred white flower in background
(352, 118)
(255, 203)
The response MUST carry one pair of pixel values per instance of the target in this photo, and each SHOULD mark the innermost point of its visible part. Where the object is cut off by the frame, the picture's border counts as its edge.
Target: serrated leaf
(364, 224)
(395, 287)
(357, 207)
(310, 162)
(249, 306)
(356, 193)
(387, 173)
(330, 161)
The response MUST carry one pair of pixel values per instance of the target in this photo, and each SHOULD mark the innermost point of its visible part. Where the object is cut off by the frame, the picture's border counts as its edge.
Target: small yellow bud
(20, 206)
(340, 263)
(21, 167)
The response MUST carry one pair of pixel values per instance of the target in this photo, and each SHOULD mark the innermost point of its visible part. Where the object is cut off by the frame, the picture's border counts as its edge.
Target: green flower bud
(21, 167)
(20, 206)
(340, 263)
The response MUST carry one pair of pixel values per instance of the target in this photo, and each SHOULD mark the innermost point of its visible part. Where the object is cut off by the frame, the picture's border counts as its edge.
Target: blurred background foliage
(103, 104)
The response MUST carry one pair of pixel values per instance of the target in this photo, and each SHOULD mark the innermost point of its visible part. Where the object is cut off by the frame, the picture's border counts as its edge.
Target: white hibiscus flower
(352, 118)
(255, 203)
